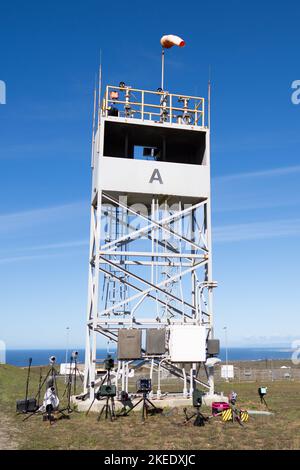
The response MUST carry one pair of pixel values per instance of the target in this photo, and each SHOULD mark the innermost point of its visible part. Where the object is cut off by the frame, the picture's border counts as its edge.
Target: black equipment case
(24, 406)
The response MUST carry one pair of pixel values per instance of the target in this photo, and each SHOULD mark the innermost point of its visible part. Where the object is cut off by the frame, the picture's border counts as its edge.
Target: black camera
(197, 397)
(109, 363)
(143, 386)
(106, 391)
(262, 391)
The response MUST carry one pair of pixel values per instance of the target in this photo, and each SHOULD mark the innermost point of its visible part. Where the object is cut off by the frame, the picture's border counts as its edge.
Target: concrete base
(260, 413)
(170, 401)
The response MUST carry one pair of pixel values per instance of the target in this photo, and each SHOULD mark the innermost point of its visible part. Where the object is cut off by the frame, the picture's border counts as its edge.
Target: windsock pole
(162, 68)
(167, 42)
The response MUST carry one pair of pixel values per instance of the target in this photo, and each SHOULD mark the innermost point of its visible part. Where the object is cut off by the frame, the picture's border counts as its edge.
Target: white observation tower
(150, 285)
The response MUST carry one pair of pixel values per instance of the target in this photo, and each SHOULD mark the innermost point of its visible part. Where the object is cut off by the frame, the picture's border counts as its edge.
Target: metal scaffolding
(150, 258)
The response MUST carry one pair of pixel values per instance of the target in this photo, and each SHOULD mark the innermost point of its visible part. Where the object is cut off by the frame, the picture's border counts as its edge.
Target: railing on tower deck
(159, 106)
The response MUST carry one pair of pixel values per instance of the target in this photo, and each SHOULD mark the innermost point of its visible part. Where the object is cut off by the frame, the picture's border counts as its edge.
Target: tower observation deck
(150, 262)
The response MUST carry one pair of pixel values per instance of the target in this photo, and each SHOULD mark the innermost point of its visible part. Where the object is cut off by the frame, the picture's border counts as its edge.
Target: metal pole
(67, 351)
(226, 352)
(67, 343)
(209, 104)
(100, 87)
(27, 383)
(162, 68)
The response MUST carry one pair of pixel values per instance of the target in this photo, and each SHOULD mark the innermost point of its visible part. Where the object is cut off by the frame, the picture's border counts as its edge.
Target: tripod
(68, 389)
(27, 405)
(97, 396)
(263, 401)
(145, 407)
(109, 408)
(76, 371)
(200, 419)
(52, 372)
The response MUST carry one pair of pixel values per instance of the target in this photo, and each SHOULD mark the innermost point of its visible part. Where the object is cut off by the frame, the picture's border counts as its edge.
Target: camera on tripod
(262, 391)
(74, 354)
(52, 360)
(200, 419)
(109, 363)
(143, 386)
(105, 391)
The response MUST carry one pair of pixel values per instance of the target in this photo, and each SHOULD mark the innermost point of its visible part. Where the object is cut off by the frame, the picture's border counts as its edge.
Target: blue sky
(49, 56)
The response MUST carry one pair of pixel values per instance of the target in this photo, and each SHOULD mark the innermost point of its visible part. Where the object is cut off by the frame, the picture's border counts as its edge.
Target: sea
(20, 357)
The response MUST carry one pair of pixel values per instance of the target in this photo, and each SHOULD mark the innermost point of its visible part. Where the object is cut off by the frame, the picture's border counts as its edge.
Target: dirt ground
(9, 434)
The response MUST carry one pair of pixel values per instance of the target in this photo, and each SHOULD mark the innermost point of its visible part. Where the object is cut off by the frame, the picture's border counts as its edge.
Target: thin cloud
(257, 142)
(28, 256)
(37, 149)
(282, 171)
(58, 246)
(257, 231)
(30, 218)
(14, 259)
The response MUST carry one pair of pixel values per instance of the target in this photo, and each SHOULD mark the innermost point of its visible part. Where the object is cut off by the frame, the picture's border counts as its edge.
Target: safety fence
(161, 106)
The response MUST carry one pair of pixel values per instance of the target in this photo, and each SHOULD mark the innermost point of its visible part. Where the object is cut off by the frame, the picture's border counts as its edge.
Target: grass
(162, 432)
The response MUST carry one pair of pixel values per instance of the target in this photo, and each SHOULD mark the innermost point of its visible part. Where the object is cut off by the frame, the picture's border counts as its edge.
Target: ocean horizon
(20, 357)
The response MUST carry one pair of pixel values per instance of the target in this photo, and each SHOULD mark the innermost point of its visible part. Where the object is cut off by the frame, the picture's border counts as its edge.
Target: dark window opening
(154, 143)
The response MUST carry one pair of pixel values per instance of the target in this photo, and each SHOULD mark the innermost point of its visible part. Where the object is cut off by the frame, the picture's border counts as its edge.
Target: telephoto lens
(52, 359)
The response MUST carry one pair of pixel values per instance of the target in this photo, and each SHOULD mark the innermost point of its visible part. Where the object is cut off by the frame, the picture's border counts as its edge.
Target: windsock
(170, 40)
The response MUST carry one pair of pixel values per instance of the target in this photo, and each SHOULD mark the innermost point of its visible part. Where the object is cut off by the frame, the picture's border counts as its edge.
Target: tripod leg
(127, 412)
(113, 407)
(43, 383)
(265, 403)
(189, 418)
(62, 412)
(75, 378)
(101, 413)
(79, 375)
(110, 412)
(107, 409)
(90, 407)
(144, 409)
(54, 374)
(69, 398)
(150, 402)
(28, 416)
(38, 395)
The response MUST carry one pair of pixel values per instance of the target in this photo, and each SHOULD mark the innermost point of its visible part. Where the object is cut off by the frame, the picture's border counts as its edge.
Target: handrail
(122, 101)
